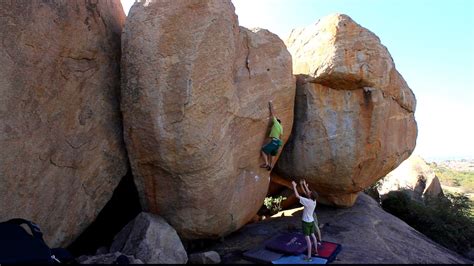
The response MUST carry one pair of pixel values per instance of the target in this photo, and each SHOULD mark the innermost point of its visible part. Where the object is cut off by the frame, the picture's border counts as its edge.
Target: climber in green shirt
(271, 148)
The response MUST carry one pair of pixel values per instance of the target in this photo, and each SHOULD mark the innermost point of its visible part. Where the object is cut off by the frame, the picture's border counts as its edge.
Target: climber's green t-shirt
(277, 129)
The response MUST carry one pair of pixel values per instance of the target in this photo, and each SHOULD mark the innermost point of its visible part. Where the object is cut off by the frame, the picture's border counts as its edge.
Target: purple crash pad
(287, 243)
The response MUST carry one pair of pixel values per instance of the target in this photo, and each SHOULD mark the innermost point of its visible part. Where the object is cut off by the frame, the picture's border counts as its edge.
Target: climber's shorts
(272, 147)
(308, 228)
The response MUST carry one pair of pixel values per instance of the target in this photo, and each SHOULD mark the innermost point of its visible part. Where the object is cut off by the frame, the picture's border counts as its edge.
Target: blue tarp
(299, 260)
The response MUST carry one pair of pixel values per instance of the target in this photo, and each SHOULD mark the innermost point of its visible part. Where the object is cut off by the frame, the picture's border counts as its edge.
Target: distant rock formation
(354, 113)
(195, 98)
(62, 151)
(413, 175)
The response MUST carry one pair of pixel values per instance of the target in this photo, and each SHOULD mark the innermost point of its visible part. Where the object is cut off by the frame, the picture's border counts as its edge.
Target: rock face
(195, 94)
(354, 113)
(414, 175)
(208, 257)
(62, 151)
(108, 258)
(150, 239)
(365, 228)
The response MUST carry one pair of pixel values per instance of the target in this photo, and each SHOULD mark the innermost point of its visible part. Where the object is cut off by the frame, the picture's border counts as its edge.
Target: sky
(431, 42)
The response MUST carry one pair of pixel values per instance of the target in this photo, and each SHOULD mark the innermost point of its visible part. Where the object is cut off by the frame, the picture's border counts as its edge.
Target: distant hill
(463, 165)
(440, 159)
(456, 176)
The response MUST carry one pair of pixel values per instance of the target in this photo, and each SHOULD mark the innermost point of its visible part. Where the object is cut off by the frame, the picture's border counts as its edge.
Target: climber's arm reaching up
(306, 187)
(272, 110)
(303, 187)
(295, 189)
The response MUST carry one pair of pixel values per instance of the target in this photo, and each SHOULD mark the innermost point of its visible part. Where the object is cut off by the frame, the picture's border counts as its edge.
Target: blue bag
(18, 246)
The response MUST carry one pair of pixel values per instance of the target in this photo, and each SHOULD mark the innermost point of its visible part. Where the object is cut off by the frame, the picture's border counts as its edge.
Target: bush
(450, 177)
(446, 220)
(273, 204)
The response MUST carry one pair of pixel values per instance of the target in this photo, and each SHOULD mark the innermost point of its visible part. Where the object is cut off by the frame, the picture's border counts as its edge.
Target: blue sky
(431, 42)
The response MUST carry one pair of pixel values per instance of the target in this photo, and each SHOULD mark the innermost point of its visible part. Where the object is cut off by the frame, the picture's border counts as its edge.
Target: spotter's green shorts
(308, 228)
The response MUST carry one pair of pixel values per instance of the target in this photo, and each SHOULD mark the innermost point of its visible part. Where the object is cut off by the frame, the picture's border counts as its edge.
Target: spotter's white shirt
(309, 206)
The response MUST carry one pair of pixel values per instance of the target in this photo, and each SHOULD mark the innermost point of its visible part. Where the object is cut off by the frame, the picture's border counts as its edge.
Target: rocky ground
(366, 232)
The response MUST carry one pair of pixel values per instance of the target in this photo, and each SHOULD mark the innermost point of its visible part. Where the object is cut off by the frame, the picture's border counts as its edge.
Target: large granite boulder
(62, 151)
(150, 239)
(414, 176)
(195, 94)
(354, 113)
